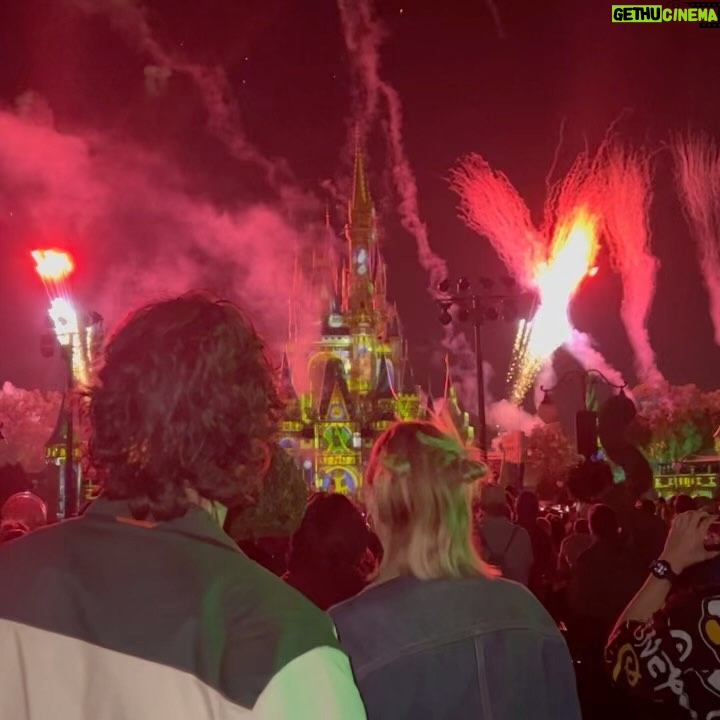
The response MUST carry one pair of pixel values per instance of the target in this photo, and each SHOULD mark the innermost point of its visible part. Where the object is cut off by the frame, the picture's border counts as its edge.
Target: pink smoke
(697, 175)
(363, 34)
(138, 234)
(582, 349)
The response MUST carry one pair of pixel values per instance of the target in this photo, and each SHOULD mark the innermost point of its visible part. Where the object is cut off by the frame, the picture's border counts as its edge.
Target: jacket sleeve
(318, 684)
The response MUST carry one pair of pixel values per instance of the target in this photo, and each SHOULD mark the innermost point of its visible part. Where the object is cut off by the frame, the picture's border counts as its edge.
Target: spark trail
(626, 198)
(697, 175)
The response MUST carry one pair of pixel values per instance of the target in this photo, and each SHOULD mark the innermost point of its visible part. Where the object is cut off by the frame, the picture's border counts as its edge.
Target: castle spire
(360, 203)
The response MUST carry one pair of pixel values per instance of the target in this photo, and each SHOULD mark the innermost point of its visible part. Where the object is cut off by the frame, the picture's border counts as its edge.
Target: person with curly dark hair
(143, 607)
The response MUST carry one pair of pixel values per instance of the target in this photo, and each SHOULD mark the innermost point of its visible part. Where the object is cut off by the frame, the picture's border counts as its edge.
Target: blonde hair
(419, 487)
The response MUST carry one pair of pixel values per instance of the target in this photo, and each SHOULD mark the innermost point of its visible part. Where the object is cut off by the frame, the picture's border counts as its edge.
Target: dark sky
(464, 89)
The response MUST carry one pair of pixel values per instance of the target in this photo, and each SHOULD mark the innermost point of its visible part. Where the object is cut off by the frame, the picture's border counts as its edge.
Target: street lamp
(479, 308)
(585, 419)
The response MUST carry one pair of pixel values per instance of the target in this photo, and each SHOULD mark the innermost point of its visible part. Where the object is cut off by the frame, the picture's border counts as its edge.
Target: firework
(607, 194)
(625, 177)
(54, 268)
(492, 207)
(697, 174)
(571, 256)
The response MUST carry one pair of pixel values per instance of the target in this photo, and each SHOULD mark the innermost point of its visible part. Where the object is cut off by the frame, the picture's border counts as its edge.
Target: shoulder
(274, 602)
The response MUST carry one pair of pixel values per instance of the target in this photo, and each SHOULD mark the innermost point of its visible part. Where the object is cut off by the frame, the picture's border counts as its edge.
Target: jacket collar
(195, 522)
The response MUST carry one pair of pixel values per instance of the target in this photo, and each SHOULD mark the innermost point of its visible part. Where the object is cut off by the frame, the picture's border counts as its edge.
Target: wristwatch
(662, 571)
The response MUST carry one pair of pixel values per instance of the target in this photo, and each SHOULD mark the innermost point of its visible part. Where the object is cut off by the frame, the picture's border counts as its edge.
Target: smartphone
(712, 537)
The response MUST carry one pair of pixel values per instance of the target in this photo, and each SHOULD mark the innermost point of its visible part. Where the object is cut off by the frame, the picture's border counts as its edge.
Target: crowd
(443, 595)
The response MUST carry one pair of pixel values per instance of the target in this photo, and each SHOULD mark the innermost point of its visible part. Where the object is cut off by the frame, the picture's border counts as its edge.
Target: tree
(680, 419)
(28, 418)
(280, 506)
(549, 456)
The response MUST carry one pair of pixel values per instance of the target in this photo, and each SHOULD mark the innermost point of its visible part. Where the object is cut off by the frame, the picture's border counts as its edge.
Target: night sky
(465, 87)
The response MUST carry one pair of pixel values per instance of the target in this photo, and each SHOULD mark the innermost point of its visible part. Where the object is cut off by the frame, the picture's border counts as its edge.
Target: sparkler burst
(571, 258)
(607, 193)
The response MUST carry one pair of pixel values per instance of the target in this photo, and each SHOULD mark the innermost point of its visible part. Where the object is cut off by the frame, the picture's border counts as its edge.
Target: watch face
(662, 570)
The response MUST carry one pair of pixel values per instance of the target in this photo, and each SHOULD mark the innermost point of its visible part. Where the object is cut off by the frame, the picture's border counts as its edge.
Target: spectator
(12, 530)
(682, 504)
(25, 508)
(605, 577)
(437, 636)
(501, 543)
(573, 546)
(143, 607)
(542, 572)
(666, 646)
(328, 551)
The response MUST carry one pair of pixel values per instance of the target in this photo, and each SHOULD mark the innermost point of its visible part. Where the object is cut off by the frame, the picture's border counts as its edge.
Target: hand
(685, 545)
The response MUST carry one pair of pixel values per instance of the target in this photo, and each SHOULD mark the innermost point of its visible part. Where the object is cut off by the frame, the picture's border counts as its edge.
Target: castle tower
(360, 380)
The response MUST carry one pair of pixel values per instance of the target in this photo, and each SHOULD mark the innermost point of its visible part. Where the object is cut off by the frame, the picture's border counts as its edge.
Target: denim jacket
(473, 648)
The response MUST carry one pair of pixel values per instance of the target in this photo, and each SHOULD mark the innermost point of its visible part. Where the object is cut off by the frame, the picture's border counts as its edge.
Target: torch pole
(480, 370)
(69, 479)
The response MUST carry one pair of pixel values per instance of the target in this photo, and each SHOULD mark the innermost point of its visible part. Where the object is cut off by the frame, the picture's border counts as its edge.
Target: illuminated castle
(358, 372)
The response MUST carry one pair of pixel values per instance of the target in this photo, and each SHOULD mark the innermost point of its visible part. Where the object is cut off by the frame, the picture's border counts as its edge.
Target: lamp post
(478, 307)
(585, 419)
(75, 336)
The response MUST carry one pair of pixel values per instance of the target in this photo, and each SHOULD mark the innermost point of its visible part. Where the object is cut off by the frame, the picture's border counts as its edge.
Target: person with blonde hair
(438, 634)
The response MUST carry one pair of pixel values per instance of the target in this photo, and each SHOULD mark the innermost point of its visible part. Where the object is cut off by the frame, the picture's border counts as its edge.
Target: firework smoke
(363, 34)
(224, 116)
(581, 348)
(626, 198)
(697, 175)
(136, 231)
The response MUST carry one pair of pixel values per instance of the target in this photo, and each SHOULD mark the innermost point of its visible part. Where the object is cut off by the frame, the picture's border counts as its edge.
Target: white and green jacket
(105, 617)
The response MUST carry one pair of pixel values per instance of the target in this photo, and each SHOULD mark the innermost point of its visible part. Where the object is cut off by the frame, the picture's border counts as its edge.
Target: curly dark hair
(185, 399)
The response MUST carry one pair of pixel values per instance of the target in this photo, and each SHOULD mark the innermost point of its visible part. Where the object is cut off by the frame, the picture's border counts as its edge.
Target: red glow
(52, 265)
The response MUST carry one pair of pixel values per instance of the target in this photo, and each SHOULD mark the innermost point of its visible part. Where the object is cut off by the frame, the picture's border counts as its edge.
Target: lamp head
(547, 410)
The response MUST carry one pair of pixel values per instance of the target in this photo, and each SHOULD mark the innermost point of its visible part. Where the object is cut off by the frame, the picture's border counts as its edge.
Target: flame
(52, 265)
(64, 318)
(571, 259)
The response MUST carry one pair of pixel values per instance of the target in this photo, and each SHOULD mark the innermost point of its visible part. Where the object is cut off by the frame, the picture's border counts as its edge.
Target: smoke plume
(378, 99)
(697, 175)
(136, 231)
(223, 112)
